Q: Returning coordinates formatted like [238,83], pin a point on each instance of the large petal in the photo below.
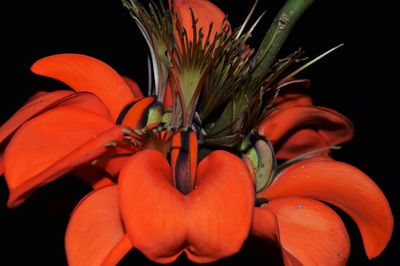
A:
[86,101]
[95,232]
[38,103]
[152,209]
[85,73]
[344,186]
[282,125]
[204,11]
[52,144]
[300,142]
[209,223]
[220,207]
[309,232]
[46,101]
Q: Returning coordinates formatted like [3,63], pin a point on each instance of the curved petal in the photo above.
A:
[332,127]
[344,186]
[95,231]
[133,113]
[207,223]
[40,94]
[293,93]
[47,101]
[136,91]
[52,144]
[43,101]
[37,104]
[300,142]
[86,101]
[85,73]
[221,207]
[206,13]
[264,225]
[310,233]
[151,207]
[114,159]
[118,252]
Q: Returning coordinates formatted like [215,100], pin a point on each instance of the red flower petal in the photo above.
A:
[95,232]
[136,91]
[309,232]
[86,101]
[293,93]
[52,144]
[47,101]
[209,223]
[132,113]
[265,225]
[38,103]
[220,207]
[300,142]
[280,127]
[35,105]
[114,164]
[206,13]
[344,186]
[151,207]
[85,73]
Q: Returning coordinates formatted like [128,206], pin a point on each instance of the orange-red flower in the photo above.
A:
[312,233]
[57,131]
[296,126]
[193,167]
[147,212]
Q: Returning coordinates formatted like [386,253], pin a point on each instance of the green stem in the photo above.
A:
[278,32]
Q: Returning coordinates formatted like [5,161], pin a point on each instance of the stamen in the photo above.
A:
[110,156]
[294,73]
[111,144]
[247,19]
[157,28]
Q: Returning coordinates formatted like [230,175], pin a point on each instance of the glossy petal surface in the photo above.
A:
[37,104]
[136,91]
[309,232]
[344,186]
[282,125]
[300,142]
[95,230]
[132,114]
[207,224]
[52,144]
[85,73]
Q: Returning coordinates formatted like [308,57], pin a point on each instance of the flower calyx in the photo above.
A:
[259,156]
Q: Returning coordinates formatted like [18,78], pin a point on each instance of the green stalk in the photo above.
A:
[278,32]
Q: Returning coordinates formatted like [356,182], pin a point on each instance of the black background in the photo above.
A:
[359,80]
